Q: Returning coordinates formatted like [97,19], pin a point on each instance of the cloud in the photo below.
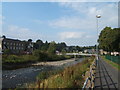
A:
[20,33]
[72,23]
[83,18]
[65,22]
[69,35]
[86,16]
[77,38]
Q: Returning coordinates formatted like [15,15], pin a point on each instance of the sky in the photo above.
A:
[71,22]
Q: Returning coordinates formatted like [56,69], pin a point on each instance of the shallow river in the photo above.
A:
[18,77]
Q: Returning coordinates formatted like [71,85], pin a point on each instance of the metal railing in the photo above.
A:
[90,78]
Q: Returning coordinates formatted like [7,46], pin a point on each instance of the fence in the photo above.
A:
[89,82]
[115,59]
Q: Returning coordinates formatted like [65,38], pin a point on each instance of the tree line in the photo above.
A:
[109,39]
[62,47]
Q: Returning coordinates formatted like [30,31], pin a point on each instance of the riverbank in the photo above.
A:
[18,77]
[55,63]
[25,65]
[70,77]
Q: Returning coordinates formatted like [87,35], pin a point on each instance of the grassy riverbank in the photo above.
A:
[70,77]
[21,61]
[115,65]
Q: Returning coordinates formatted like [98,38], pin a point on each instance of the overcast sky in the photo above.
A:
[71,22]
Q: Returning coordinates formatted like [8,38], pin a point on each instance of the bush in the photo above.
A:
[29,58]
[12,59]
[42,76]
[41,56]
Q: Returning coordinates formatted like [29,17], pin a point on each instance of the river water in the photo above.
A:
[18,77]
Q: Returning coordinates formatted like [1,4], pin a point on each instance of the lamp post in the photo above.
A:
[97,17]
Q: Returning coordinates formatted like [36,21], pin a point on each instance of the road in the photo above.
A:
[106,76]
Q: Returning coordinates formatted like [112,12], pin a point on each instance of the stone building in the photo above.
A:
[14,45]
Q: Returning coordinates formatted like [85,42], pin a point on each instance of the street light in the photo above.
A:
[97,17]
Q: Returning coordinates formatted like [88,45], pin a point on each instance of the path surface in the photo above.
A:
[106,76]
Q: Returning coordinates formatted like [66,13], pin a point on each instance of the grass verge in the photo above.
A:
[115,65]
[70,77]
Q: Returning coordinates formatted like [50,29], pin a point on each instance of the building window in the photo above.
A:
[14,48]
[10,47]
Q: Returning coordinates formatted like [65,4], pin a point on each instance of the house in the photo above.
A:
[15,46]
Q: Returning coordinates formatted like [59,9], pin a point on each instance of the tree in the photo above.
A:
[42,56]
[52,48]
[45,46]
[109,39]
[38,44]
[60,46]
[29,40]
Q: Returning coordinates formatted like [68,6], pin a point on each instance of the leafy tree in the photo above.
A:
[45,46]
[52,48]
[29,40]
[38,44]
[60,46]
[42,56]
[109,39]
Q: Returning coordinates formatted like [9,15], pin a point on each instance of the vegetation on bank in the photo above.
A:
[18,61]
[22,59]
[115,65]
[70,77]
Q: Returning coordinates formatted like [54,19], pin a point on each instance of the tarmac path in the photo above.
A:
[106,77]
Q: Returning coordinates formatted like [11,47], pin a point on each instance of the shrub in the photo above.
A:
[29,58]
[42,56]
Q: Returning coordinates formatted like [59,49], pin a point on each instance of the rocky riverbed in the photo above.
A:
[18,77]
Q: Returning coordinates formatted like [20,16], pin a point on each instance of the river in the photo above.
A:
[18,77]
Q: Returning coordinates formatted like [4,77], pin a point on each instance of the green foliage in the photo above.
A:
[42,56]
[14,59]
[7,52]
[109,39]
[42,75]
[60,46]
[52,48]
[38,44]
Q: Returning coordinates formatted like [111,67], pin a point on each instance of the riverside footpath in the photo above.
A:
[106,77]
